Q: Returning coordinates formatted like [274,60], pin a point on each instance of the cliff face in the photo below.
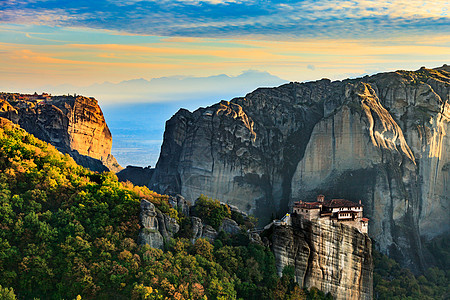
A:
[381,139]
[74,125]
[330,256]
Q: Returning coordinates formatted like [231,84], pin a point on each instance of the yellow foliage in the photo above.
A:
[125,255]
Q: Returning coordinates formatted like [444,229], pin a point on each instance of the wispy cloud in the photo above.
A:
[176,2]
[276,19]
[39,55]
[51,17]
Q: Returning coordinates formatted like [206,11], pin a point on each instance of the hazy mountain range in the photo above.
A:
[172,88]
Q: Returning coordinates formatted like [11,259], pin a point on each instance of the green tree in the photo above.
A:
[211,211]
[204,248]
[7,293]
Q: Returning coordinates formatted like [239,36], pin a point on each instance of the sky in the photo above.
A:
[48,43]
[188,53]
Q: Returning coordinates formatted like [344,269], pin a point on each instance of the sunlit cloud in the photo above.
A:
[40,55]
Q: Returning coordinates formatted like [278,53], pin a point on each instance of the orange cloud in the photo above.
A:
[334,59]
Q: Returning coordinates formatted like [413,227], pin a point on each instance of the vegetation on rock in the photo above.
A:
[211,211]
[391,281]
[67,232]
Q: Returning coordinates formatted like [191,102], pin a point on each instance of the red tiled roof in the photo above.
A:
[309,205]
[364,220]
[340,203]
[333,203]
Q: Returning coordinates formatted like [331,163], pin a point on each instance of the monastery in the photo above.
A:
[336,210]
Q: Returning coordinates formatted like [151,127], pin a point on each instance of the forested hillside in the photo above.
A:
[67,233]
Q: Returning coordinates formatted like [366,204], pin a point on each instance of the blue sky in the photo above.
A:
[277,20]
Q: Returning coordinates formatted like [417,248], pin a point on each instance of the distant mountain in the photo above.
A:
[173,88]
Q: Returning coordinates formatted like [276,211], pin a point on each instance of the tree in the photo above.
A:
[204,248]
[7,293]
[211,211]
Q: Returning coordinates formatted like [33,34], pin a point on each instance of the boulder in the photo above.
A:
[167,226]
[180,204]
[197,228]
[209,233]
[230,226]
[255,238]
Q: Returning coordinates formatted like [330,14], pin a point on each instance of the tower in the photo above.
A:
[320,198]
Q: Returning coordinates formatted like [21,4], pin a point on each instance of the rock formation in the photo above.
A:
[380,139]
[330,256]
[149,233]
[136,175]
[74,125]
[197,228]
[230,226]
[180,204]
[156,226]
[200,230]
[209,233]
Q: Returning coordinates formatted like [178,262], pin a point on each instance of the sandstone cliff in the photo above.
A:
[330,256]
[74,125]
[381,139]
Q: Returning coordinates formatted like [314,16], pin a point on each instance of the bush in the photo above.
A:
[211,211]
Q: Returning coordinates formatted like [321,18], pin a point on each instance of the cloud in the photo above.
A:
[276,19]
[175,2]
[86,56]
